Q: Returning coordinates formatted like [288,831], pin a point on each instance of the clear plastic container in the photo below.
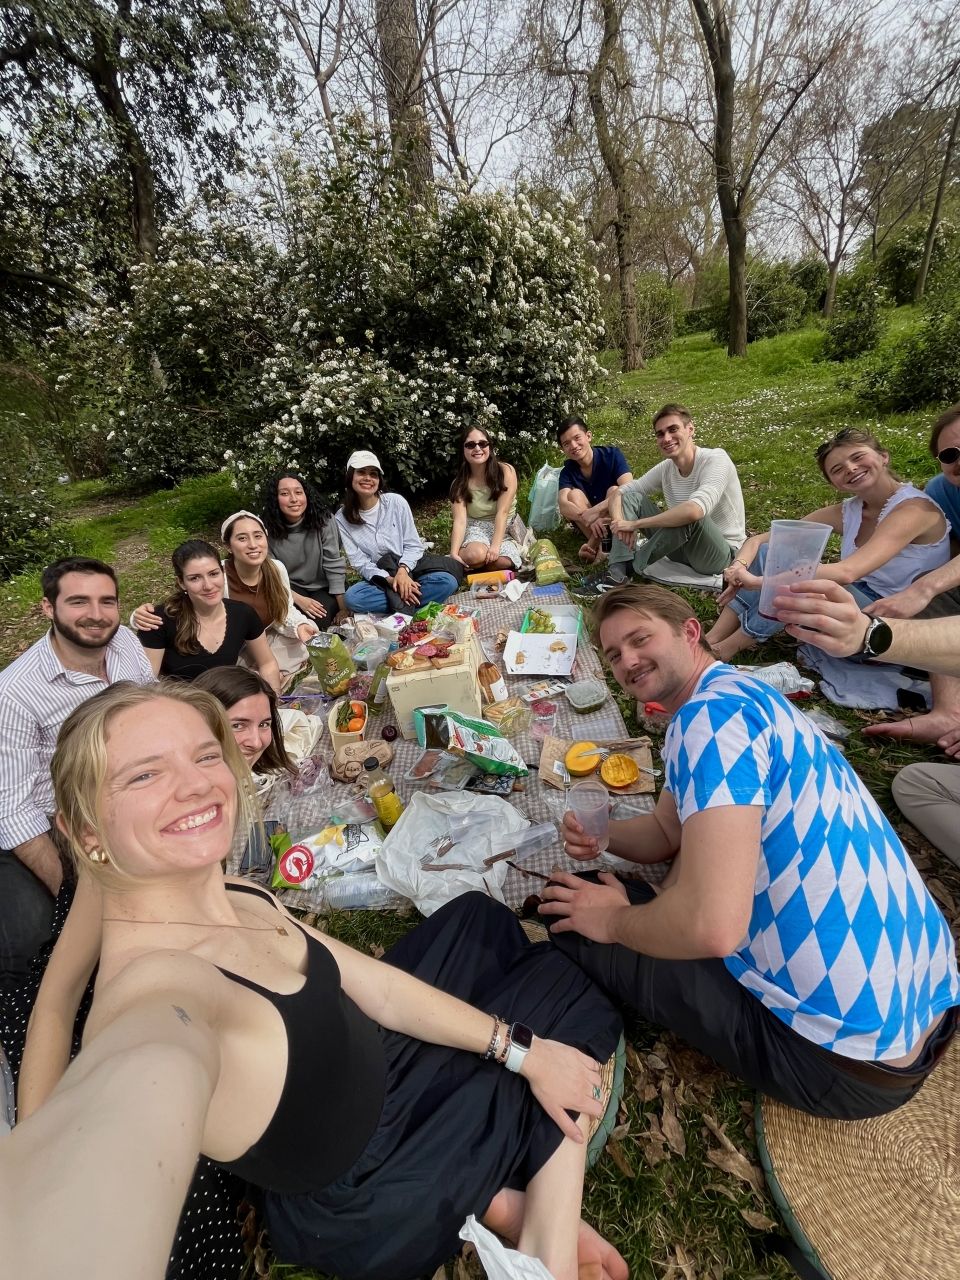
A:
[464,825]
[586,695]
[359,891]
[544,718]
[370,653]
[525,842]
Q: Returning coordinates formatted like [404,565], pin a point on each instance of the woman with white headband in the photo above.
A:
[382,543]
[252,577]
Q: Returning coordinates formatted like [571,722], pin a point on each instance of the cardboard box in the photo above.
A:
[454,685]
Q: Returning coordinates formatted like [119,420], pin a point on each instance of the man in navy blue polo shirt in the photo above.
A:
[585,478]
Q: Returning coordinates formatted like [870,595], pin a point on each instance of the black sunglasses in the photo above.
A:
[476,444]
[947,456]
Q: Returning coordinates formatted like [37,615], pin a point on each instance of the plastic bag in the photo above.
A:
[419,831]
[476,740]
[339,848]
[782,676]
[499,1262]
[331,660]
[547,563]
[544,494]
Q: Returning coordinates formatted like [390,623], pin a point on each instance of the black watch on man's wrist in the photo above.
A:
[878,638]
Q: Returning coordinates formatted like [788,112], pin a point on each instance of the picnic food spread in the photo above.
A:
[619,771]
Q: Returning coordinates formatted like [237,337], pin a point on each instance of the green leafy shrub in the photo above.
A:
[774,303]
[857,323]
[899,258]
[31,535]
[811,275]
[658,306]
[328,311]
[694,320]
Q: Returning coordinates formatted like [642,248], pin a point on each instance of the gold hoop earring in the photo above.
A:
[98,856]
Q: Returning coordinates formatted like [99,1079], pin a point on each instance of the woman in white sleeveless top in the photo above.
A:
[891,533]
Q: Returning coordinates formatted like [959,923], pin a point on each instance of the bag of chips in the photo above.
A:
[331,660]
[475,740]
[547,563]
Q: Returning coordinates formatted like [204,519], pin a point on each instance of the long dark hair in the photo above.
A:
[178,604]
[351,503]
[492,471]
[230,685]
[315,517]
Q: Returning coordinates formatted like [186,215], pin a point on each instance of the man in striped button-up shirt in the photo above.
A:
[85,650]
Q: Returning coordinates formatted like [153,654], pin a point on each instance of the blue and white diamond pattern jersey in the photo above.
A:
[845,943]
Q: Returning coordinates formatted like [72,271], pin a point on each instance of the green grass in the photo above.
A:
[669,1213]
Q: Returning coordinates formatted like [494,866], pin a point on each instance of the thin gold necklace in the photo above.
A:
[196,924]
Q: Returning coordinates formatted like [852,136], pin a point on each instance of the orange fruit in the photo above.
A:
[619,771]
[355,725]
[582,759]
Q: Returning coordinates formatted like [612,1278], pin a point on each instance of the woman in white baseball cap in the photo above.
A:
[382,543]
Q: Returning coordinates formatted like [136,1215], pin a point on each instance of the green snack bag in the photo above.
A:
[547,564]
[331,660]
[478,741]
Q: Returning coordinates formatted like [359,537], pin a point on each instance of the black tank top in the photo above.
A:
[332,1095]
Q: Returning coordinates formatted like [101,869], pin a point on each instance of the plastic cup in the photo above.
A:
[589,802]
[793,555]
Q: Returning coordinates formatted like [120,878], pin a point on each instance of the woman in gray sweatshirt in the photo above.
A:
[303,537]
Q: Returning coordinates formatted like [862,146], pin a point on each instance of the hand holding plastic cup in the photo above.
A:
[793,555]
[590,804]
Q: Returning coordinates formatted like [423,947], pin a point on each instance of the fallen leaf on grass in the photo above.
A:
[718,1131]
[942,893]
[737,1164]
[672,1129]
[377,951]
[759,1221]
[685,1263]
[618,1156]
[656,1062]
[723,1189]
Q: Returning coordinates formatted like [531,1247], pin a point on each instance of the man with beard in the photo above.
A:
[85,650]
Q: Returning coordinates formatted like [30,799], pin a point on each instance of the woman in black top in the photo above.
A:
[200,629]
[304,538]
[374,1110]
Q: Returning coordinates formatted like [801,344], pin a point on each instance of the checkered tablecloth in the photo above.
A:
[537,802]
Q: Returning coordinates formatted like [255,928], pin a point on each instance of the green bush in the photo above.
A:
[857,323]
[924,367]
[694,320]
[376,321]
[658,305]
[31,535]
[811,275]
[774,303]
[899,257]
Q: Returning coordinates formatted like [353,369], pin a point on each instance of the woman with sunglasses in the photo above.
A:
[345,1088]
[382,544]
[484,500]
[890,534]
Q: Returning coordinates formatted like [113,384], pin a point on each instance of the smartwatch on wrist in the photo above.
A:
[877,640]
[519,1042]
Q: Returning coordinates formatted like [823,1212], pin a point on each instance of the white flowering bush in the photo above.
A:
[32,536]
[326,312]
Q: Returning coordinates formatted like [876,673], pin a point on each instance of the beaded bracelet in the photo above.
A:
[496,1040]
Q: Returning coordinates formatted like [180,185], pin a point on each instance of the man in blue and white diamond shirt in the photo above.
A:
[85,650]
[792,939]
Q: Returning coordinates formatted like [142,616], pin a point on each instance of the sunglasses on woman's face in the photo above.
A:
[476,444]
[948,456]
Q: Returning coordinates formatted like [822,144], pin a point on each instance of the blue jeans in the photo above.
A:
[365,597]
[746,604]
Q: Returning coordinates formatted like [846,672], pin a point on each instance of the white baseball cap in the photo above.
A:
[363,458]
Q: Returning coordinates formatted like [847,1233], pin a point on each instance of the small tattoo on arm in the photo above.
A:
[181,1014]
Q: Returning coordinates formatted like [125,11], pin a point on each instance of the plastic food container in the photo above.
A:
[586,695]
[544,718]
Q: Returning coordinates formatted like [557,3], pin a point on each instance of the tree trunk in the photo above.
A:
[935,213]
[143,194]
[631,355]
[716,34]
[830,299]
[401,60]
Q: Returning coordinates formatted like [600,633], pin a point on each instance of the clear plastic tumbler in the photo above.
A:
[589,803]
[793,555]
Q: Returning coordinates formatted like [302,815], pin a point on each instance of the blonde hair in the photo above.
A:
[648,601]
[79,766]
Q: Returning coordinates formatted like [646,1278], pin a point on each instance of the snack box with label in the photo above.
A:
[453,684]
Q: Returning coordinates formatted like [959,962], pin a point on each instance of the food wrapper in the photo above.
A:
[547,564]
[476,740]
[511,716]
[331,660]
[340,847]
[500,1262]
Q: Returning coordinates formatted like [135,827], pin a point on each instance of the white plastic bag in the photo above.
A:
[544,494]
[423,823]
[499,1262]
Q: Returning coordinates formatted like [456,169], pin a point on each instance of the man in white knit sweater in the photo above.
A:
[703,523]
